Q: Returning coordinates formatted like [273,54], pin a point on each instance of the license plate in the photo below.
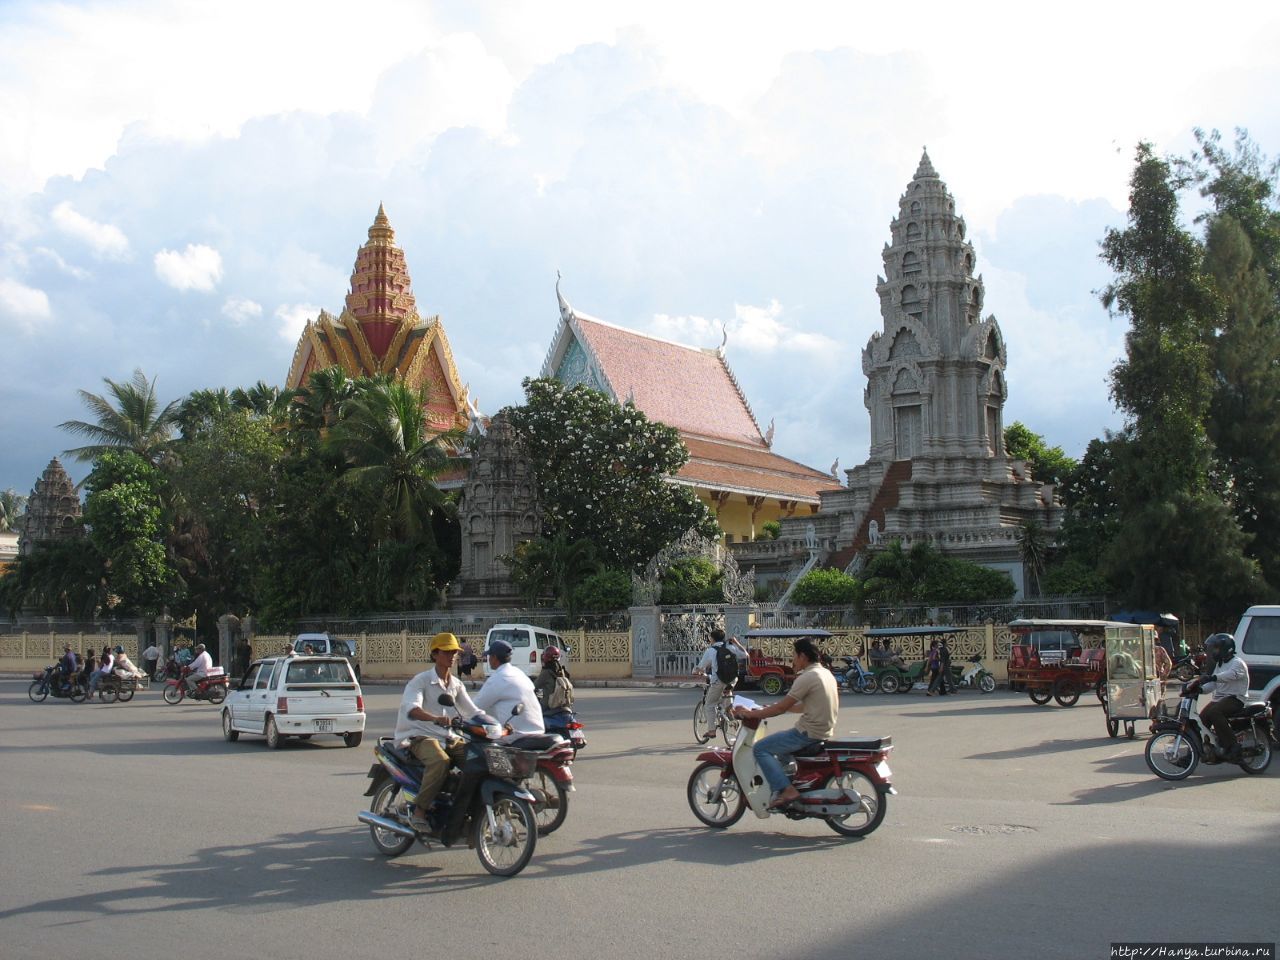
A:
[882,768]
[324,726]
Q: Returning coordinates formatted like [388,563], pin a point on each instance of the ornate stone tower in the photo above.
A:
[498,511]
[53,510]
[935,374]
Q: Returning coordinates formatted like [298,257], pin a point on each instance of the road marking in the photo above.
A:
[39,807]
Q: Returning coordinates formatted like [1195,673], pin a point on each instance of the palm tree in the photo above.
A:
[555,566]
[12,505]
[382,436]
[1033,544]
[264,401]
[200,408]
[322,401]
[135,421]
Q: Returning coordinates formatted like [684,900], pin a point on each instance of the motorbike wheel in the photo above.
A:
[865,821]
[1260,762]
[126,692]
[551,812]
[217,694]
[78,693]
[1066,692]
[700,734]
[869,685]
[384,805]
[1167,760]
[889,683]
[38,691]
[771,685]
[353,739]
[1040,696]
[173,693]
[229,733]
[274,740]
[987,683]
[1113,728]
[1185,672]
[716,800]
[505,847]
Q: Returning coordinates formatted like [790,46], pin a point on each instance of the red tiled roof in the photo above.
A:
[751,470]
[683,387]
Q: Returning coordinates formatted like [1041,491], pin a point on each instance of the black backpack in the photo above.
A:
[726,664]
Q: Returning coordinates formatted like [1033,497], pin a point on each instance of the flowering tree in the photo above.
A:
[603,473]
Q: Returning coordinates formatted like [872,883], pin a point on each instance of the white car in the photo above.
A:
[527,644]
[1258,643]
[296,696]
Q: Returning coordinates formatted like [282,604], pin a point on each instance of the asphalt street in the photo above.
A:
[134,830]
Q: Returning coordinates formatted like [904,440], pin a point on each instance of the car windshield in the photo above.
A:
[517,638]
[318,671]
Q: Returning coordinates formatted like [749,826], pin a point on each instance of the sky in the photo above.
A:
[184,183]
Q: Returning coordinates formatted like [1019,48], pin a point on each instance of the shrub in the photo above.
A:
[603,592]
[826,588]
[692,580]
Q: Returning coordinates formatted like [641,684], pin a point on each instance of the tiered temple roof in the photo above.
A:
[380,331]
[690,389]
[53,510]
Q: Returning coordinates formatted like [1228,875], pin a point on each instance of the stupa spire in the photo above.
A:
[925,170]
[381,297]
[381,231]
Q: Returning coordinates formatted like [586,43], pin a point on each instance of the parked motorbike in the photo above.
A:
[1180,743]
[212,688]
[551,781]
[1188,667]
[50,681]
[499,821]
[851,675]
[566,723]
[845,783]
[975,675]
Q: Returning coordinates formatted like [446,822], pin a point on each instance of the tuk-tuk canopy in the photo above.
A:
[765,633]
[913,631]
[1083,626]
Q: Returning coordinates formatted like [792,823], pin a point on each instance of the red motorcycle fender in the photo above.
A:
[722,757]
[560,773]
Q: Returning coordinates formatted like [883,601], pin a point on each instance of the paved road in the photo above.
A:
[1021,831]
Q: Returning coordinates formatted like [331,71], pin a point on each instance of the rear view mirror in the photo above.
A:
[446,700]
[517,709]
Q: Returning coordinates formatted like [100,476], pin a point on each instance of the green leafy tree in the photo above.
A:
[827,588]
[692,580]
[603,473]
[924,575]
[12,506]
[554,567]
[604,592]
[64,578]
[123,513]
[770,530]
[128,417]
[1033,547]
[1048,464]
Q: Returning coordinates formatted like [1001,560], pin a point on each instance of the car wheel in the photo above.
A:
[352,739]
[229,733]
[274,740]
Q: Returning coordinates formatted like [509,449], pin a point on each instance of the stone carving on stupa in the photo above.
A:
[497,512]
[937,470]
[53,511]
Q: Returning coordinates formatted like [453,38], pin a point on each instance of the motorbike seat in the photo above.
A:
[401,754]
[860,743]
[536,741]
[1252,709]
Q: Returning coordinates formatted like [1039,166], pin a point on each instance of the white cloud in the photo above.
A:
[196,268]
[56,259]
[240,310]
[106,240]
[753,329]
[22,304]
[293,317]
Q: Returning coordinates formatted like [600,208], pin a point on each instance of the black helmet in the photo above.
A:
[1220,647]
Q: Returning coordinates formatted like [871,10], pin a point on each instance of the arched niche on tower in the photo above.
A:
[880,345]
[906,403]
[913,231]
[911,263]
[992,397]
[904,346]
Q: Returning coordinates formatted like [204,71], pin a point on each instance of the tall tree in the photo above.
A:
[12,505]
[1048,464]
[128,417]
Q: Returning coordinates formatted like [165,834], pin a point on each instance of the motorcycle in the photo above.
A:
[212,688]
[846,783]
[499,819]
[1188,667]
[552,780]
[854,678]
[975,675]
[51,681]
[1180,743]
[566,723]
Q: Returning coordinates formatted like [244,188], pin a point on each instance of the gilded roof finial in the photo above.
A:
[381,229]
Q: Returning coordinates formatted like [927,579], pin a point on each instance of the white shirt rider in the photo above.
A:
[707,665]
[506,686]
[202,664]
[1231,679]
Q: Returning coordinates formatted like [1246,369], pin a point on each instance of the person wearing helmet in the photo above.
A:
[1228,675]
[553,668]
[506,686]
[123,666]
[422,723]
[198,669]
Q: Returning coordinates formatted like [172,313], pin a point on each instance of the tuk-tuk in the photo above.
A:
[773,674]
[1134,687]
[1058,659]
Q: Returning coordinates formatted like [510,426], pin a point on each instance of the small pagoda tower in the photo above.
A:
[53,511]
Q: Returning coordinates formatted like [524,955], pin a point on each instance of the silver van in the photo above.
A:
[527,645]
[1258,643]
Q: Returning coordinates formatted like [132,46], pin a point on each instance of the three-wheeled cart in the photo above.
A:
[1058,659]
[1134,687]
[773,674]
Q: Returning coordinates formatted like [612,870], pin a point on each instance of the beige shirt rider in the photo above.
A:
[815,690]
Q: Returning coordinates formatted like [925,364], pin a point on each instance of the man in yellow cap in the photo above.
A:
[423,725]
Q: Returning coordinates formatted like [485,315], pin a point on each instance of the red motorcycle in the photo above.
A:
[552,780]
[846,783]
[212,688]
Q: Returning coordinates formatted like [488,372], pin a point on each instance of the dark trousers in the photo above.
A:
[1217,716]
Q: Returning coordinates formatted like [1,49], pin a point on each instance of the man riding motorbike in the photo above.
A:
[427,734]
[1229,677]
[815,697]
[506,686]
[198,669]
[66,666]
[709,666]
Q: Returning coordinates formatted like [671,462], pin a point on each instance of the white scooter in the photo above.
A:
[1179,744]
[845,783]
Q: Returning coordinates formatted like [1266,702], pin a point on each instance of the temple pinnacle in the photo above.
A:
[925,171]
[381,229]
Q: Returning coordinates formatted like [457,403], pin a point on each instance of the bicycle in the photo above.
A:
[725,721]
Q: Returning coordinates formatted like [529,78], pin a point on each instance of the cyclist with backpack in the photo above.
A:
[719,664]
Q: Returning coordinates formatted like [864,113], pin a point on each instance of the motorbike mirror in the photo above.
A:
[517,709]
[445,700]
